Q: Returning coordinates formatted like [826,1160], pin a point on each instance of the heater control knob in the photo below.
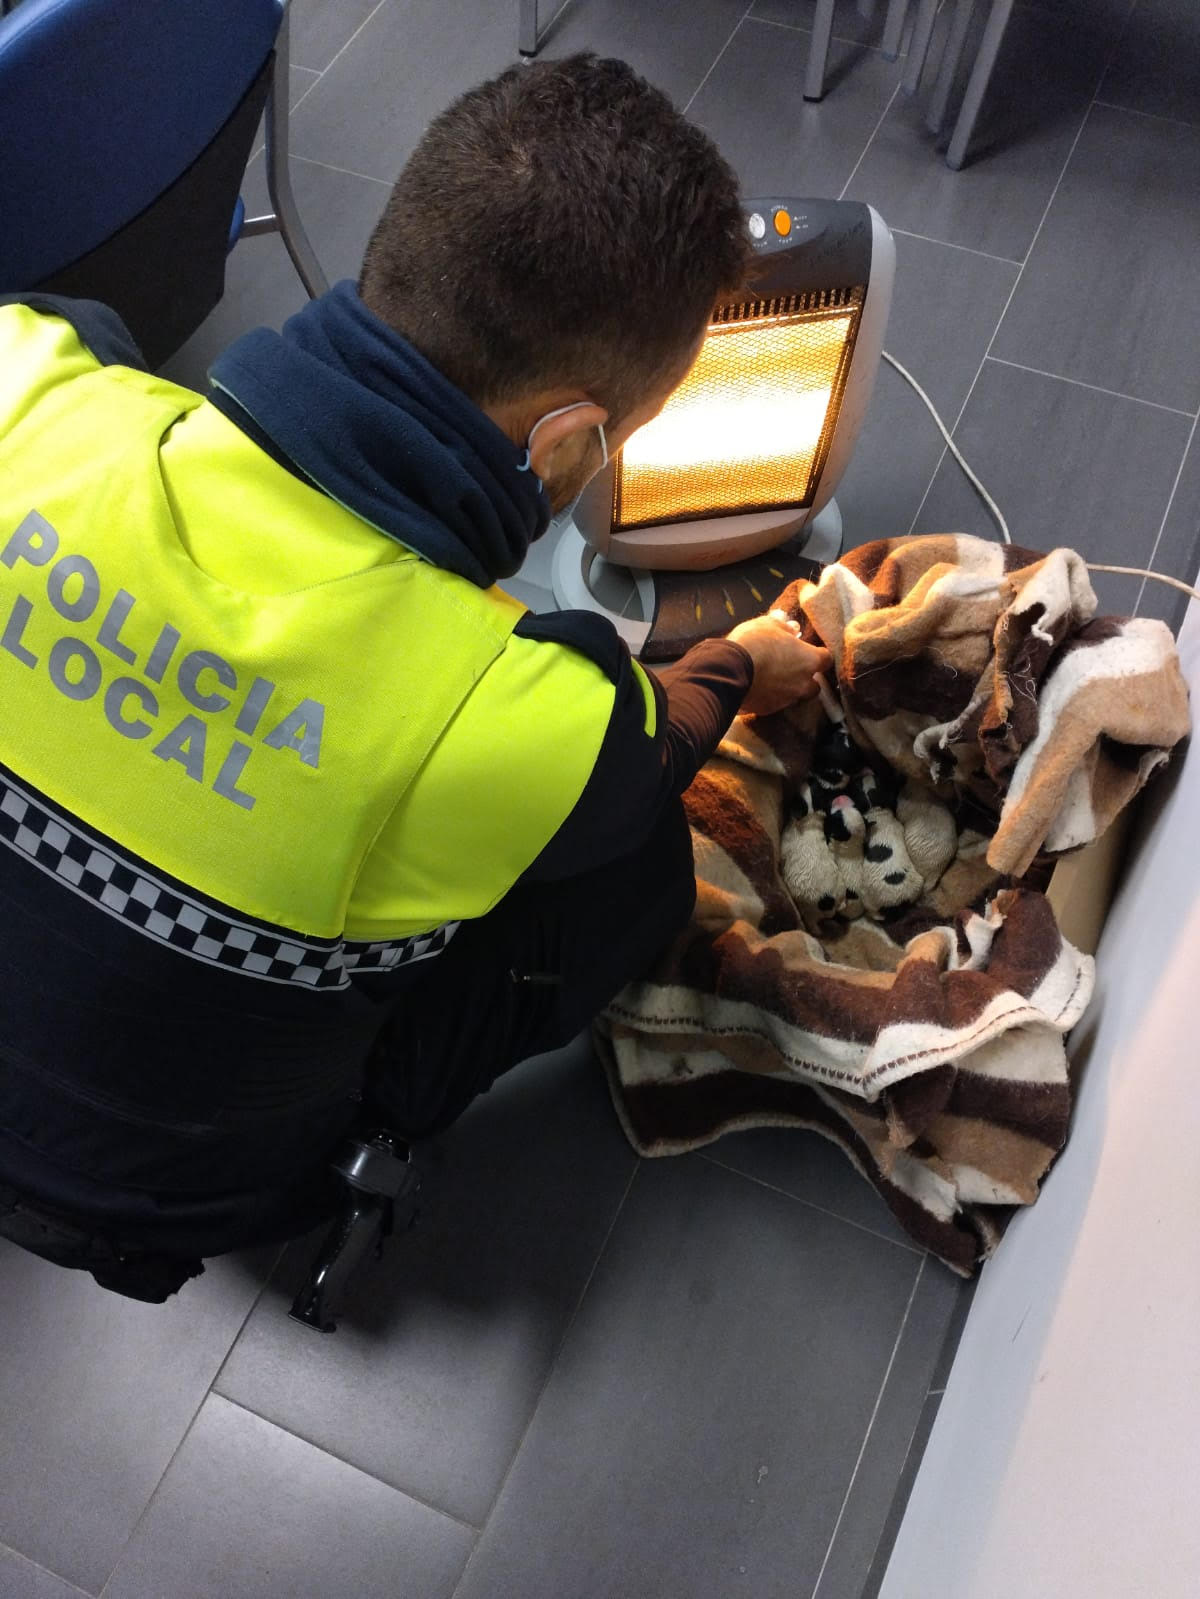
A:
[756,225]
[783,223]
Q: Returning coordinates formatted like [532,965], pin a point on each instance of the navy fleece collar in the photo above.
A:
[360,413]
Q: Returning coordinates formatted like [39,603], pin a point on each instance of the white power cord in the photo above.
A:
[997,513]
[1141,571]
[983,494]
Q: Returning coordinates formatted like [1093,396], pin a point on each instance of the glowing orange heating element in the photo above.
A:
[749,427]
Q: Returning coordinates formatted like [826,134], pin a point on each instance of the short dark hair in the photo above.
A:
[561,223]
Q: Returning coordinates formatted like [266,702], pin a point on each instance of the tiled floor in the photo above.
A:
[587,1377]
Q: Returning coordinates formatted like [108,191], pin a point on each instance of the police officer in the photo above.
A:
[298,810]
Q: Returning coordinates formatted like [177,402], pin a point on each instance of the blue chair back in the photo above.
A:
[103,105]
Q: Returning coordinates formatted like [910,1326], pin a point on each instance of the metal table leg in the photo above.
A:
[948,70]
[981,73]
[893,28]
[918,45]
[527,27]
[818,51]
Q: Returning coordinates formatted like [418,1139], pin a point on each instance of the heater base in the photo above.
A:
[660,615]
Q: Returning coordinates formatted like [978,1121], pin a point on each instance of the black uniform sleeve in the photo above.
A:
[98,326]
[638,772]
[704,692]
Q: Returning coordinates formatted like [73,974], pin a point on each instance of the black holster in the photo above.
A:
[380,1197]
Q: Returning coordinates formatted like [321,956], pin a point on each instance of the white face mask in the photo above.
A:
[562,411]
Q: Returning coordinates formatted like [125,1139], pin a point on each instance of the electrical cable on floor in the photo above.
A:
[983,494]
[998,514]
[1141,571]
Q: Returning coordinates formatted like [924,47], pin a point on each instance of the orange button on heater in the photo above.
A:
[783,224]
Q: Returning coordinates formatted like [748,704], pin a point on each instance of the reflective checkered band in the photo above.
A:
[385,957]
[167,914]
[156,909]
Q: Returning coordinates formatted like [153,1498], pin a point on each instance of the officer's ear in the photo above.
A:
[547,455]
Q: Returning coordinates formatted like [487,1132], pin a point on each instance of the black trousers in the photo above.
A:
[528,977]
[523,979]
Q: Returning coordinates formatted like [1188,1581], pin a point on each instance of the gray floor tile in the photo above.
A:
[249,1512]
[944,310]
[21,1579]
[1178,552]
[891,1526]
[705,1414]
[261,286]
[1112,13]
[435,1371]
[1067,465]
[1156,68]
[672,42]
[96,1391]
[778,143]
[320,28]
[899,1414]
[1106,296]
[848,20]
[849,23]
[1046,75]
[964,1297]
[809,1168]
[405,66]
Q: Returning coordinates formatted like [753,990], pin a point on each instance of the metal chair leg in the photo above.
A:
[951,59]
[893,28]
[918,45]
[818,51]
[527,28]
[981,72]
[279,182]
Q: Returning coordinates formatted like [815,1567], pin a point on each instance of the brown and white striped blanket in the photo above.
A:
[929,1047]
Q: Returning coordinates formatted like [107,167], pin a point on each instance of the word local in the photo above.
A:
[75,670]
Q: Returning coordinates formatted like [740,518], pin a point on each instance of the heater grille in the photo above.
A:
[750,426]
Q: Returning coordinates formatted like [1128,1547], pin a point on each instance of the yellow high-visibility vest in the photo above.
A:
[211,662]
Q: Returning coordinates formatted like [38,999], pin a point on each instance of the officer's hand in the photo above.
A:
[784,668]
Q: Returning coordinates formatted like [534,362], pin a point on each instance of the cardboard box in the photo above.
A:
[1082,886]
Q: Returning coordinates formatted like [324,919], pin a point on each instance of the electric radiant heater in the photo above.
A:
[747,452]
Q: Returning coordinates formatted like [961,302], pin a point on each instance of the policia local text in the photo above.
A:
[205,679]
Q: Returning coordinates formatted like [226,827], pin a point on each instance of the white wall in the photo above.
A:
[1065,1460]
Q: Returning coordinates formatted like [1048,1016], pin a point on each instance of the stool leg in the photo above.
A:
[948,70]
[527,27]
[981,72]
[279,179]
[818,51]
[918,45]
[893,28]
